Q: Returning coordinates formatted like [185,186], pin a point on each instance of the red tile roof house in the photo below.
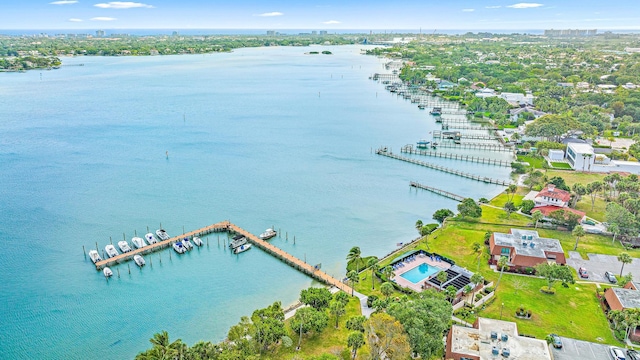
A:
[525,249]
[627,297]
[552,196]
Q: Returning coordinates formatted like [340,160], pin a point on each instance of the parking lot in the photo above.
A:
[598,264]
[573,349]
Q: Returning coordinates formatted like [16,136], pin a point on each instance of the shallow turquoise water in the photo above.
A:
[419,273]
[262,137]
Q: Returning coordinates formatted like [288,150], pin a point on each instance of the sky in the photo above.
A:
[332,15]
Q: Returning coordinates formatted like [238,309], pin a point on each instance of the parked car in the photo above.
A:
[617,353]
[633,355]
[556,341]
[609,276]
[583,273]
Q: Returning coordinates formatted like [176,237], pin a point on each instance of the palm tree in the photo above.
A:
[337,309]
[578,232]
[477,249]
[512,189]
[353,277]
[354,256]
[624,258]
[614,229]
[386,289]
[442,278]
[419,226]
[355,342]
[536,216]
[502,263]
[163,349]
[387,271]
[373,264]
[475,279]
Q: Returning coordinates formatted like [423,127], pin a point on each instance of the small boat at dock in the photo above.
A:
[111,250]
[138,242]
[242,248]
[197,241]
[95,257]
[150,238]
[437,111]
[139,260]
[162,235]
[423,143]
[107,272]
[124,246]
[237,241]
[179,248]
[187,244]
[268,234]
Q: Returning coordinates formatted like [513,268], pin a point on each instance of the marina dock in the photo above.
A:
[384,152]
[444,193]
[477,146]
[409,149]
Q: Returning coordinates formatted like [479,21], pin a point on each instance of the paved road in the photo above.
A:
[598,264]
[580,350]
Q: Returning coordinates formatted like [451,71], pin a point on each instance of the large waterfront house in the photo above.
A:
[525,249]
[626,297]
[553,196]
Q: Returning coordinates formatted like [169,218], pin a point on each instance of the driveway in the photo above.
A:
[598,264]
[573,349]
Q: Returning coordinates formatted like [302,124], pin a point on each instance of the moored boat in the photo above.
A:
[138,242]
[150,238]
[178,247]
[95,257]
[268,234]
[242,248]
[162,235]
[139,260]
[187,244]
[107,272]
[111,250]
[124,246]
[237,240]
[197,241]
[423,143]
[436,111]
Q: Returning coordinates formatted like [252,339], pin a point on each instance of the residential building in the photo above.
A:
[551,195]
[556,155]
[486,92]
[518,98]
[524,249]
[580,156]
[100,33]
[515,113]
[493,339]
[627,297]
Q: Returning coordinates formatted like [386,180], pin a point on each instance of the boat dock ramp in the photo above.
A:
[409,149]
[444,193]
[385,152]
[228,227]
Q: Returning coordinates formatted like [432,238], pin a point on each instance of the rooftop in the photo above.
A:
[548,209]
[480,342]
[629,298]
[582,148]
[527,243]
[552,192]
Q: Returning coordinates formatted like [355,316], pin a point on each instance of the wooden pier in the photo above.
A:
[292,260]
[447,194]
[218,227]
[449,126]
[476,146]
[383,151]
[409,149]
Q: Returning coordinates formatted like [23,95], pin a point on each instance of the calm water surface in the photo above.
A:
[261,137]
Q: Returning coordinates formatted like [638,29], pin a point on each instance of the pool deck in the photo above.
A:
[412,265]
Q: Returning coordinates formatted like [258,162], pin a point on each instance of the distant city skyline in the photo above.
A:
[330,15]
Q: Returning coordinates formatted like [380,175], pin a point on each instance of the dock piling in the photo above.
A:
[97,246]
[151,261]
[129,266]
[84,252]
[118,273]
[110,241]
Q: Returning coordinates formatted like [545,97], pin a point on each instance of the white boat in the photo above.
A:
[150,238]
[95,257]
[237,240]
[162,235]
[187,244]
[179,248]
[111,250]
[268,234]
[197,241]
[107,272]
[124,246]
[242,248]
[138,242]
[139,260]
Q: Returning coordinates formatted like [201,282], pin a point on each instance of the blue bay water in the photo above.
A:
[262,137]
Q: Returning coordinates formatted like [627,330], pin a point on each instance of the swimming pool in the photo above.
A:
[419,273]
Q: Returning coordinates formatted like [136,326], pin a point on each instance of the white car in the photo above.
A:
[617,354]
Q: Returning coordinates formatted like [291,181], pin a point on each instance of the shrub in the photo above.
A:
[488,289]
[546,290]
[478,296]
[370,300]
[483,200]
[529,271]
[527,206]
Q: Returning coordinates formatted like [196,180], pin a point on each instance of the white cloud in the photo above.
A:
[103,18]
[74,20]
[270,14]
[524,5]
[493,7]
[63,2]
[331,22]
[468,10]
[122,5]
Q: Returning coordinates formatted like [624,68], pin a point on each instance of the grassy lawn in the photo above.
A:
[599,207]
[572,177]
[535,162]
[561,165]
[502,199]
[572,312]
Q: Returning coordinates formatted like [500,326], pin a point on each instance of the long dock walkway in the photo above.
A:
[409,149]
[444,193]
[477,146]
[292,260]
[384,152]
[217,227]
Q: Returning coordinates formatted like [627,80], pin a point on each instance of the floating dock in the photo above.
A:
[447,194]
[384,152]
